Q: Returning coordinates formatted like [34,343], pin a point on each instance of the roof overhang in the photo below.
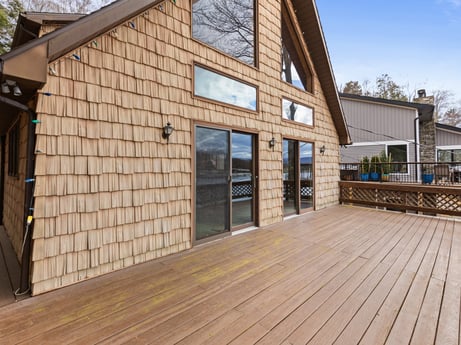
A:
[425,111]
[27,63]
[16,64]
[309,22]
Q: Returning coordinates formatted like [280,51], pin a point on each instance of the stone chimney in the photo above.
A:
[426,130]
[423,99]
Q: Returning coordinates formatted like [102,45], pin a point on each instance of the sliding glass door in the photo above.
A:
[224,181]
[243,179]
[298,186]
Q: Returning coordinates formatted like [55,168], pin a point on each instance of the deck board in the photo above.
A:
[343,275]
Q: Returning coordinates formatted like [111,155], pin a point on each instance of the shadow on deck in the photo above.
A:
[341,275]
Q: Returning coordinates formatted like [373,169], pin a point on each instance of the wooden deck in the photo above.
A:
[343,275]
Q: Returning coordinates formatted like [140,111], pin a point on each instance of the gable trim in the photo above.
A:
[62,41]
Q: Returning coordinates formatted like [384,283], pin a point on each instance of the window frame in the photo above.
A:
[404,166]
[225,75]
[300,104]
[288,19]
[255,63]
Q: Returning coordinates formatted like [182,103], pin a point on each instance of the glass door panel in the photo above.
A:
[306,175]
[290,190]
[212,175]
[242,179]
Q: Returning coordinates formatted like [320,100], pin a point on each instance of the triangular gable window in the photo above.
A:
[295,68]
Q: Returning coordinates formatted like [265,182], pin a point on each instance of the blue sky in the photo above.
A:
[418,43]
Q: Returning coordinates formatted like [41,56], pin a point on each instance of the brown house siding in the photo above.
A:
[110,192]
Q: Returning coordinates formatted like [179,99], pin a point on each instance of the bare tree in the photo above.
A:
[442,102]
[226,25]
[73,6]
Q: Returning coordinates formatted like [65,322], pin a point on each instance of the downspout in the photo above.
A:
[417,146]
[24,284]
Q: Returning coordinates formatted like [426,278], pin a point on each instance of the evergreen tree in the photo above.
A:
[9,13]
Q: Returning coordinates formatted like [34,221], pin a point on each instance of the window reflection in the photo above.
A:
[226,25]
[297,112]
[295,69]
[220,88]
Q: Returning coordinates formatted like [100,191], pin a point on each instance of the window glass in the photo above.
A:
[449,156]
[297,112]
[220,88]
[398,153]
[294,66]
[226,25]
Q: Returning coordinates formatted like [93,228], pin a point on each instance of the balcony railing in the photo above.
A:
[431,188]
[403,172]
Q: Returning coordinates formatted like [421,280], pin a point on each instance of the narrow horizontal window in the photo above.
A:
[296,112]
[224,89]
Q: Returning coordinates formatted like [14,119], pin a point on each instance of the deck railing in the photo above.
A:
[429,199]
[403,172]
[431,188]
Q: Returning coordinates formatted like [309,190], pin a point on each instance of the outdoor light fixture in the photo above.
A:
[5,88]
[17,91]
[272,143]
[322,150]
[167,130]
[8,84]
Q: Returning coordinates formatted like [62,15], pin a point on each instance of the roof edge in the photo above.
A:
[316,43]
[63,40]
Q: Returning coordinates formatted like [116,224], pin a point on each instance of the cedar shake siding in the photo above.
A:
[110,192]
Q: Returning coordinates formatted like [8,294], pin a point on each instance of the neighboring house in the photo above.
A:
[403,130]
[85,131]
[448,143]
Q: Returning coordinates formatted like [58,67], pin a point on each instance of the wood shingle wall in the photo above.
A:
[110,192]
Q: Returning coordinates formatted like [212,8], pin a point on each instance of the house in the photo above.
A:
[448,143]
[143,129]
[405,131]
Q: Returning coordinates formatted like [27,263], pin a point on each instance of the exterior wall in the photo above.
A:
[447,138]
[13,203]
[394,121]
[110,192]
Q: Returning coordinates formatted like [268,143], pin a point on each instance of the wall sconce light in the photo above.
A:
[272,143]
[322,150]
[8,84]
[5,88]
[17,91]
[167,130]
